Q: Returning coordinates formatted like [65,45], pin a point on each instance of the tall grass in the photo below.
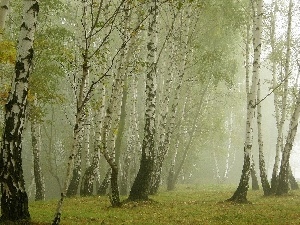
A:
[187,205]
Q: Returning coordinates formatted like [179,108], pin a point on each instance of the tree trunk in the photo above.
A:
[262,168]
[125,172]
[283,179]
[102,190]
[90,173]
[14,200]
[240,195]
[279,146]
[292,180]
[115,195]
[141,184]
[36,148]
[140,187]
[254,179]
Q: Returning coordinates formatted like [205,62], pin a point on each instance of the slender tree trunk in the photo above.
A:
[283,179]
[179,69]
[132,142]
[91,171]
[102,190]
[254,179]
[14,200]
[292,180]
[172,179]
[240,195]
[175,173]
[262,168]
[228,166]
[36,149]
[279,145]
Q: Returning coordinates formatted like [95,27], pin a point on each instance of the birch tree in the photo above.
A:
[141,185]
[36,149]
[14,200]
[262,168]
[283,179]
[240,195]
[281,101]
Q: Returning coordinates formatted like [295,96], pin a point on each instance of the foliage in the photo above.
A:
[7,52]
[188,205]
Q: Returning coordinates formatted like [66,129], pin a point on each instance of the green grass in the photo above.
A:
[187,205]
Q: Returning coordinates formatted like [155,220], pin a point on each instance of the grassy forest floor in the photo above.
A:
[186,205]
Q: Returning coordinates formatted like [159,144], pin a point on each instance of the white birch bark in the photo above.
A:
[262,167]
[283,180]
[281,118]
[140,187]
[14,201]
[284,168]
[240,194]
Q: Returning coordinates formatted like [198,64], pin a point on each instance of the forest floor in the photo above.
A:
[186,205]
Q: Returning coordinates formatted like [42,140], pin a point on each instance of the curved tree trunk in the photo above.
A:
[283,179]
[14,200]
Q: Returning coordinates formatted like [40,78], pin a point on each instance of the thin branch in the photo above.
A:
[274,89]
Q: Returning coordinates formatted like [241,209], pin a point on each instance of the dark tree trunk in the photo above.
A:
[293,181]
[88,179]
[115,197]
[102,190]
[14,199]
[264,181]
[170,179]
[274,183]
[14,206]
[37,170]
[240,195]
[140,187]
[254,179]
[156,178]
[87,182]
[39,181]
[57,217]
[74,183]
[283,184]
[125,176]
